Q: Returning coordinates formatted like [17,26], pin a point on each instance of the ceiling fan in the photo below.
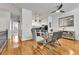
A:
[58,9]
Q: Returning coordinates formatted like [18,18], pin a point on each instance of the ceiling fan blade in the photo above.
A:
[60,7]
[62,11]
[53,11]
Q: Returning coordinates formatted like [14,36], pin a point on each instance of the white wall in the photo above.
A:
[76,22]
[5,21]
[10,8]
[26,24]
[5,16]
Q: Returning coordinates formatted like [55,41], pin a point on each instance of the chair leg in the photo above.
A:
[53,45]
[58,43]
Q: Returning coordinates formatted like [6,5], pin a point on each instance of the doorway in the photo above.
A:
[15,34]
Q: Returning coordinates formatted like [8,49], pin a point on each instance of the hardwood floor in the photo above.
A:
[68,47]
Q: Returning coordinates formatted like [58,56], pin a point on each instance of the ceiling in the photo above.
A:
[45,8]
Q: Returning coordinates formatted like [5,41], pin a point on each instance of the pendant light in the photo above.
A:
[39,18]
[35,18]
